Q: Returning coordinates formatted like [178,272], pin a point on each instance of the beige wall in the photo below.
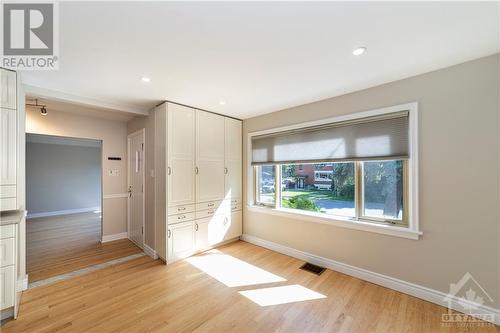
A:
[459,157]
[135,125]
[114,143]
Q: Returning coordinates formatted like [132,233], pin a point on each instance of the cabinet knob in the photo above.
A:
[169,171]
[196,226]
[169,233]
[225,171]
[196,170]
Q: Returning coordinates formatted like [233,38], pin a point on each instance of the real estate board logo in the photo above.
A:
[470,298]
[30,36]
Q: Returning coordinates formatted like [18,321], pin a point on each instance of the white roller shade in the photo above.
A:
[380,137]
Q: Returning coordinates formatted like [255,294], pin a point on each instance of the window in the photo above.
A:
[329,189]
[266,185]
[376,195]
[359,168]
[383,190]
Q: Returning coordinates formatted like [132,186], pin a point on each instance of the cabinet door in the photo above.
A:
[181,155]
[232,158]
[180,241]
[235,227]
[8,89]
[201,233]
[8,146]
[7,287]
[209,156]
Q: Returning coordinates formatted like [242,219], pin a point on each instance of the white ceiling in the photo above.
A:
[258,57]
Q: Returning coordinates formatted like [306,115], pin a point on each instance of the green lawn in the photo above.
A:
[311,194]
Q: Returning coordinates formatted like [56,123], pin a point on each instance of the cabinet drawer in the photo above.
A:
[207,205]
[172,219]
[235,201]
[7,204]
[180,209]
[7,287]
[8,191]
[7,231]
[7,247]
[208,213]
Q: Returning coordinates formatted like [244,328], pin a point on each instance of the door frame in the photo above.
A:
[129,136]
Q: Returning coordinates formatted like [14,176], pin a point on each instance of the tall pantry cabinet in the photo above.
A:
[8,143]
[202,167]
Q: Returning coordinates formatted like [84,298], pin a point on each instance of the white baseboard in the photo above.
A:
[150,252]
[428,294]
[22,283]
[110,238]
[63,212]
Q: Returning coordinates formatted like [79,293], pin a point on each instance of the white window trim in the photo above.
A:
[412,231]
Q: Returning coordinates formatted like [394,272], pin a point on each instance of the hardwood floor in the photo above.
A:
[193,295]
[61,244]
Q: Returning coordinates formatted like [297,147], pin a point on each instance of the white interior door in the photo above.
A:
[136,187]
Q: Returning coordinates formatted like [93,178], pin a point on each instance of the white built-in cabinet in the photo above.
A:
[180,155]
[203,180]
[209,157]
[8,140]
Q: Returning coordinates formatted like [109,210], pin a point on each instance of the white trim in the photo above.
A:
[150,252]
[110,238]
[56,95]
[115,196]
[338,221]
[413,221]
[64,212]
[22,283]
[428,294]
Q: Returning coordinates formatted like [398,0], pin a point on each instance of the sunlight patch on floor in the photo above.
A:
[281,295]
[231,271]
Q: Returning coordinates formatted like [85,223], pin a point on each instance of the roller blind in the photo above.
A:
[380,137]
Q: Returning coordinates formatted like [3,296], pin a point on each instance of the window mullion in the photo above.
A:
[277,186]
[358,189]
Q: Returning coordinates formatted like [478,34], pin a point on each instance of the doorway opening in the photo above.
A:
[64,203]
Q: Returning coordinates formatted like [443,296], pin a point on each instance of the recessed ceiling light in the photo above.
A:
[359,51]
[222,102]
[145,79]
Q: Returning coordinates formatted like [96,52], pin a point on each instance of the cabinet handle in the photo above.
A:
[169,233]
[225,171]
[180,209]
[210,212]
[196,170]
[225,220]
[196,225]
[169,171]
[210,204]
[181,217]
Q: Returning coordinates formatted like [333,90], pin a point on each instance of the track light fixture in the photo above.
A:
[43,108]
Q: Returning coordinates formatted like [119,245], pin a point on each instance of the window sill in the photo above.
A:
[338,221]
